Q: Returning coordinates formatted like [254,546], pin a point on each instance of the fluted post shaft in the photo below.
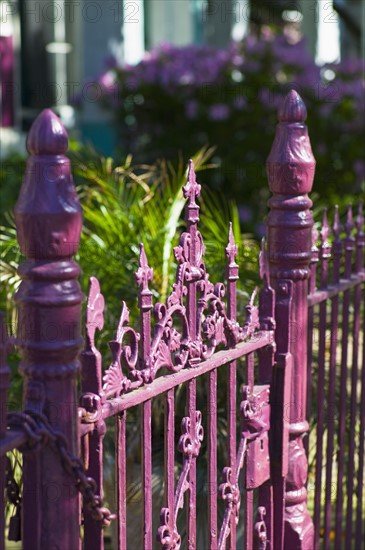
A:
[48,220]
[290,169]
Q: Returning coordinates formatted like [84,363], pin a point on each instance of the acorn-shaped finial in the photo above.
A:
[47,135]
[292,108]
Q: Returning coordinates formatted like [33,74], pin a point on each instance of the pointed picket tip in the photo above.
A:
[231,248]
[192,188]
[292,108]
[143,262]
[191,172]
[144,272]
[325,229]
[336,224]
[360,216]
[315,235]
[349,225]
[264,262]
[47,135]
[231,240]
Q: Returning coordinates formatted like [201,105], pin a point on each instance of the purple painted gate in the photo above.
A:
[260,497]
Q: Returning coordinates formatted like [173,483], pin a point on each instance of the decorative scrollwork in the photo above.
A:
[182,335]
[115,381]
[167,534]
[229,492]
[189,445]
[94,312]
[260,531]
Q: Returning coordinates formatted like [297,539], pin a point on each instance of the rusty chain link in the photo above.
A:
[40,432]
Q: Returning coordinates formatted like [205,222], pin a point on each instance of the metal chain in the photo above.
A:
[40,432]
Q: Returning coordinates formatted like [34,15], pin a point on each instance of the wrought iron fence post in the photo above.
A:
[290,169]
[48,219]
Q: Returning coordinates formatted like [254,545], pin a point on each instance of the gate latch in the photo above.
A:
[255,414]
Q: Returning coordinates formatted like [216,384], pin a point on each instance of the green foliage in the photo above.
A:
[12,169]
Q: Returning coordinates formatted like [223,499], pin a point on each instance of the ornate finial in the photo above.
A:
[264,263]
[325,229]
[291,165]
[144,272]
[336,224]
[94,310]
[349,225]
[360,218]
[47,135]
[293,108]
[48,214]
[192,189]
[231,248]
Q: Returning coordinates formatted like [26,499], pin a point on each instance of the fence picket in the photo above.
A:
[336,251]
[360,258]
[4,386]
[324,256]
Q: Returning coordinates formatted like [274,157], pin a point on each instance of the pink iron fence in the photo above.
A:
[336,324]
[183,348]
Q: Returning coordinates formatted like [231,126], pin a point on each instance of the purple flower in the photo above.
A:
[219,111]
[108,81]
[359,169]
[191,109]
[240,102]
[245,213]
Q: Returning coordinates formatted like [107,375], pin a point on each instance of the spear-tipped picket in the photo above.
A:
[191,191]
[349,225]
[325,229]
[91,400]
[264,263]
[337,246]
[359,238]
[336,225]
[360,218]
[231,273]
[231,249]
[325,249]
[144,274]
[4,386]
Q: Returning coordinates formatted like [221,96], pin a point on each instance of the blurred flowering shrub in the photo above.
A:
[180,98]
